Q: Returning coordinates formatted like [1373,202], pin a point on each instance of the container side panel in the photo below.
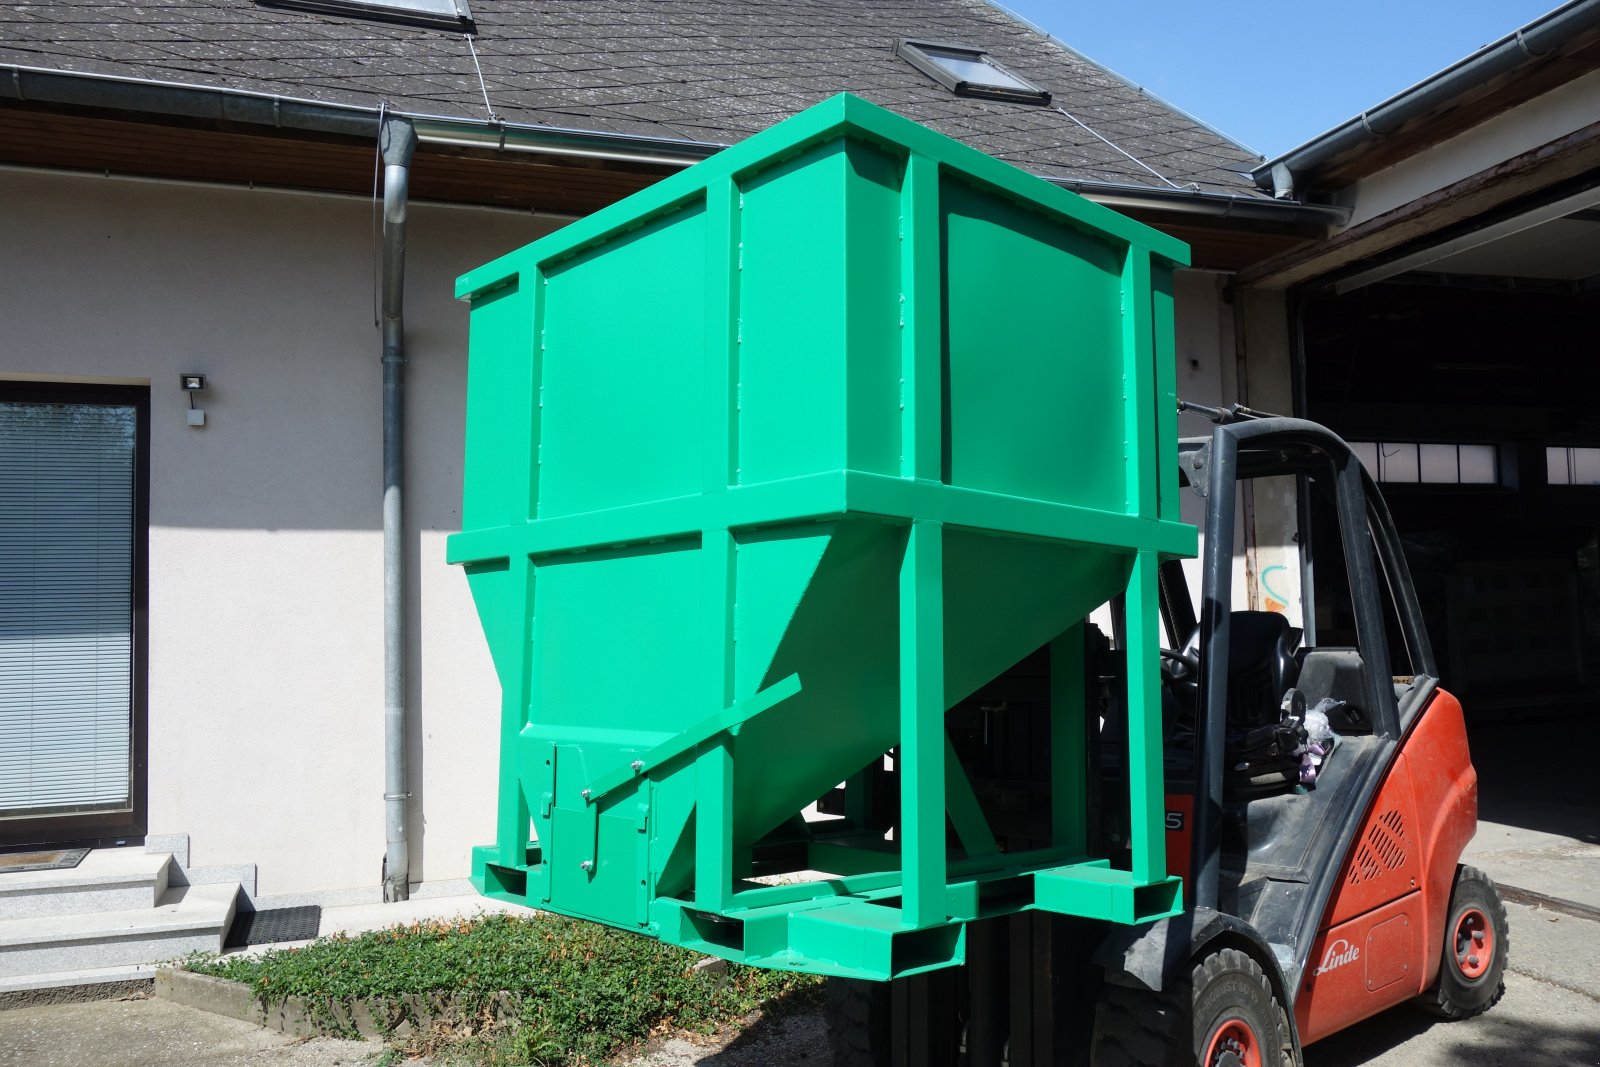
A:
[490,583]
[775,564]
[873,310]
[622,392]
[791,352]
[616,643]
[501,371]
[842,642]
[1034,376]
[1006,596]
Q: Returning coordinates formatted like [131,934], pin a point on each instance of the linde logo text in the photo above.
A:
[1339,953]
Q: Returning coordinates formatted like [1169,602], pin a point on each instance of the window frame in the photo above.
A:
[394,14]
[121,825]
[915,52]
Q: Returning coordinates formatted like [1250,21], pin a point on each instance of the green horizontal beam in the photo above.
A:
[819,497]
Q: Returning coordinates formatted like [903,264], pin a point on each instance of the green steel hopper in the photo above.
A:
[767,467]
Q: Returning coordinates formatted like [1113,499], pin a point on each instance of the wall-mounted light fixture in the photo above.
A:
[192,384]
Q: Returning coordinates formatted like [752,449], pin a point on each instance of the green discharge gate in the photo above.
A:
[769,465]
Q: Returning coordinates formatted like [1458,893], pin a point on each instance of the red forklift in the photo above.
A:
[1309,906]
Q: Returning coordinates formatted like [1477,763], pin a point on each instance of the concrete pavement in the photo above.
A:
[154,1033]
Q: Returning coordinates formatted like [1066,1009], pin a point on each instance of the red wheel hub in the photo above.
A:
[1233,1044]
[1474,941]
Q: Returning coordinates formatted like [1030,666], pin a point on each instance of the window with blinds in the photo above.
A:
[67,541]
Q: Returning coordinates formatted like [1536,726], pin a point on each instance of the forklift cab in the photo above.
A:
[1237,666]
[1362,865]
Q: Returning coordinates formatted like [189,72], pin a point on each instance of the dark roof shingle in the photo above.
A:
[703,70]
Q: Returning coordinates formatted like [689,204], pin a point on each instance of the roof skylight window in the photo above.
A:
[969,72]
[451,15]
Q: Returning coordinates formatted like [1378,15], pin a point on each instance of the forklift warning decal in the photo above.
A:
[1339,953]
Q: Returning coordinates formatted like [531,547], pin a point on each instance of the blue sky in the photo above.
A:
[1276,75]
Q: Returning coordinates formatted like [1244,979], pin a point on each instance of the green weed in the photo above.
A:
[539,990]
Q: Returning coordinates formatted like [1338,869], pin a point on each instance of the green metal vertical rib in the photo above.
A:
[1146,808]
[541,285]
[922,736]
[1068,770]
[1166,357]
[714,764]
[922,430]
[722,355]
[511,835]
[1138,372]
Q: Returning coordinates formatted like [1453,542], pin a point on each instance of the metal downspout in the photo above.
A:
[397,140]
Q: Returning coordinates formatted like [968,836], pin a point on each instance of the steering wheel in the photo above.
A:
[1180,666]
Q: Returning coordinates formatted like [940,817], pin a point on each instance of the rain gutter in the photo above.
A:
[1285,175]
[1197,202]
[74,89]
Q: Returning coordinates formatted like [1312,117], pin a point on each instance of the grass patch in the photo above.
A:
[538,989]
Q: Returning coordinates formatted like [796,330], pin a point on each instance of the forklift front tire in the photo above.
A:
[1472,963]
[1225,1014]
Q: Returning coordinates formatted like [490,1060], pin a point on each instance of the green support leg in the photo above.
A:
[713,817]
[1146,799]
[922,736]
[511,831]
[713,882]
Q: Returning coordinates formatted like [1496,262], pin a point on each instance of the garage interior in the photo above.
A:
[1466,373]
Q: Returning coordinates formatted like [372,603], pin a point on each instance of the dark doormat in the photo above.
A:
[53,859]
[273,925]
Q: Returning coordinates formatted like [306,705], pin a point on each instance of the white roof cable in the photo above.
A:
[481,83]
[1124,151]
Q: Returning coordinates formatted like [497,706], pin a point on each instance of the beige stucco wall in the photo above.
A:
[265,689]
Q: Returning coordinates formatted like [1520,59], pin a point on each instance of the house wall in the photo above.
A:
[265,689]
[265,686]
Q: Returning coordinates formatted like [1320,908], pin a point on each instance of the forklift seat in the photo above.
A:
[1261,667]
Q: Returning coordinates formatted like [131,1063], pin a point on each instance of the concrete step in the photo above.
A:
[13,989]
[108,879]
[188,919]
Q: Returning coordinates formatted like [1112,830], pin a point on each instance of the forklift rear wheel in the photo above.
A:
[1473,961]
[1234,1020]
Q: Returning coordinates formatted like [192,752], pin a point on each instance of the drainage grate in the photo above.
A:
[274,925]
[55,859]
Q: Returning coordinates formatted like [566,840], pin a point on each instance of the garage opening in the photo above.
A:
[1472,390]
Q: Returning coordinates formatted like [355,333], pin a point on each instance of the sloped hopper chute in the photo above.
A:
[769,465]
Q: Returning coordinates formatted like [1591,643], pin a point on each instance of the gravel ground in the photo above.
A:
[796,1040]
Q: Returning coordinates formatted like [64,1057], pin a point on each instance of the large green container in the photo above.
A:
[769,465]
